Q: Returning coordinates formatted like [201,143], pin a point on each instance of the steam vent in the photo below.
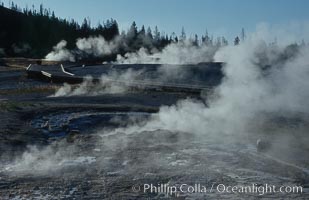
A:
[156,100]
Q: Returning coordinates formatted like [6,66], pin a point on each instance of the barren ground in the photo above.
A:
[74,162]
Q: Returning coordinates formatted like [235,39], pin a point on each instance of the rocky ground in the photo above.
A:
[62,148]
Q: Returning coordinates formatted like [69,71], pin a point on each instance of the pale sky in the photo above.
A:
[219,17]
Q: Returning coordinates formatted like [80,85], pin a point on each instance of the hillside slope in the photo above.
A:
[32,33]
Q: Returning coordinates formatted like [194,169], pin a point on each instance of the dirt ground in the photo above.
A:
[75,157]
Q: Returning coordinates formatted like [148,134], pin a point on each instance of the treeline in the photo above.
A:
[32,33]
[29,32]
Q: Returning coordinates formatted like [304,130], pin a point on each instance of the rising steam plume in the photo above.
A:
[262,83]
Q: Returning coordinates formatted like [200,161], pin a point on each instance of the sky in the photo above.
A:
[219,17]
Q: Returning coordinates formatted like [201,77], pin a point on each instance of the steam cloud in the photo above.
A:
[175,53]
[111,83]
[184,52]
[261,82]
[60,53]
[98,46]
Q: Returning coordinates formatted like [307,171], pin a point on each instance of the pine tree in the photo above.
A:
[183,34]
[236,41]
[142,32]
[195,42]
[243,35]
[156,34]
[132,33]
[206,39]
[149,33]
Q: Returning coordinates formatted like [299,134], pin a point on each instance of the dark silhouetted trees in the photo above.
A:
[236,41]
[33,33]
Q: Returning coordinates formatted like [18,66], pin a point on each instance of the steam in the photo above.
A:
[60,53]
[92,46]
[183,52]
[98,46]
[111,83]
[176,53]
[21,49]
[52,158]
[262,82]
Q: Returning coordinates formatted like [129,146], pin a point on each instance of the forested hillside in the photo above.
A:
[32,33]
